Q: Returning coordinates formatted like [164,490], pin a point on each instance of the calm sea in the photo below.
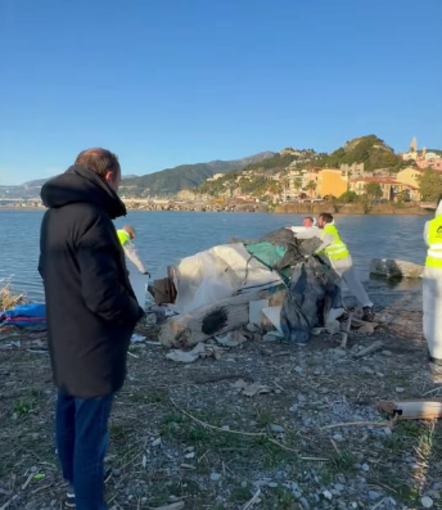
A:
[165,237]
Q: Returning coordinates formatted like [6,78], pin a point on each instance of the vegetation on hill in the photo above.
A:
[256,175]
[373,190]
[257,178]
[182,177]
[430,185]
[370,150]
[280,162]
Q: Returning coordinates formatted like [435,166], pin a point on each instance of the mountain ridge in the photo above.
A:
[166,181]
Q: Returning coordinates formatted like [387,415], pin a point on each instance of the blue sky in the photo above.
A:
[166,82]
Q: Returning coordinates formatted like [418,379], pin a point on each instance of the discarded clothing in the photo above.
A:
[25,315]
[314,290]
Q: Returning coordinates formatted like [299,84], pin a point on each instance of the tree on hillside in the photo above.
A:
[297,184]
[311,186]
[370,150]
[349,197]
[430,185]
[373,190]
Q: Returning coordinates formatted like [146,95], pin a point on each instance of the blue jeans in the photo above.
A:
[82,439]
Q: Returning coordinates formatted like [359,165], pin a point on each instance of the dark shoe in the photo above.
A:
[69,500]
[368,314]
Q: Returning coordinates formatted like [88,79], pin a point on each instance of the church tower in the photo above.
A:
[413,145]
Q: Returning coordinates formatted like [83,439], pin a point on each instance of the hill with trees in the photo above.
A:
[172,180]
[257,178]
[370,150]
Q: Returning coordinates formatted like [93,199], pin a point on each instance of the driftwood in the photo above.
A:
[417,409]
[370,349]
[188,329]
[392,268]
[255,498]
[347,331]
[358,424]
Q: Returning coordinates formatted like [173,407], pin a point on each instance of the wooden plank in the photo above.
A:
[417,409]
[188,329]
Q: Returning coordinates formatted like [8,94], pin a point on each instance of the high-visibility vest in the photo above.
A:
[337,249]
[434,240]
[123,236]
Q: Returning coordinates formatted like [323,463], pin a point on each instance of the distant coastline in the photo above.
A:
[240,207]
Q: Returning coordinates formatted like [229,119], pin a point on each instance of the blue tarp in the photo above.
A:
[33,314]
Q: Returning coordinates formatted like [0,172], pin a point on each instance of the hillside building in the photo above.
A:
[423,158]
[215,177]
[409,176]
[391,188]
[332,182]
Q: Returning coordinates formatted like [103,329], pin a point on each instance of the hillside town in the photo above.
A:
[317,183]
[367,170]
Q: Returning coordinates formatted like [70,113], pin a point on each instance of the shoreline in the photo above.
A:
[289,209]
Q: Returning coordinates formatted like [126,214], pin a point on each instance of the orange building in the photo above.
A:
[332,182]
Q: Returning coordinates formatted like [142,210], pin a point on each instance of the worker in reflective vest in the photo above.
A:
[126,235]
[432,291]
[340,260]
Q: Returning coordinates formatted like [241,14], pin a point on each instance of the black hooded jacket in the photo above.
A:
[91,307]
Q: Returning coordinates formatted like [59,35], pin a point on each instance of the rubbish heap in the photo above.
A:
[277,282]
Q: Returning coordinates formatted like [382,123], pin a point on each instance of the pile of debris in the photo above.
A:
[271,287]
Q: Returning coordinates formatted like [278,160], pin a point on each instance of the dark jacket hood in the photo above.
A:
[82,185]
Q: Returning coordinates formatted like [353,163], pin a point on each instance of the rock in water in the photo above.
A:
[393,268]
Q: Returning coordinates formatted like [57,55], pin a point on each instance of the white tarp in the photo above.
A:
[139,285]
[216,274]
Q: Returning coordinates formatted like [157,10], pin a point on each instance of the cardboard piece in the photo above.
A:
[163,291]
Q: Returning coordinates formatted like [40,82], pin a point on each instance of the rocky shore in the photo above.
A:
[291,208]
[247,207]
[133,205]
[358,208]
[188,437]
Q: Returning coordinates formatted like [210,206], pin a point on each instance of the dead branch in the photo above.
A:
[370,349]
[359,424]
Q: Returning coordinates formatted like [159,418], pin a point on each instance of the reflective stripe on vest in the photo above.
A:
[337,249]
[123,236]
[434,240]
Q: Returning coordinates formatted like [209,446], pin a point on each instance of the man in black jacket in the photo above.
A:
[91,314]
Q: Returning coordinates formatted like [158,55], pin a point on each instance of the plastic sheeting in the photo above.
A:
[314,290]
[139,285]
[25,315]
[216,274]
